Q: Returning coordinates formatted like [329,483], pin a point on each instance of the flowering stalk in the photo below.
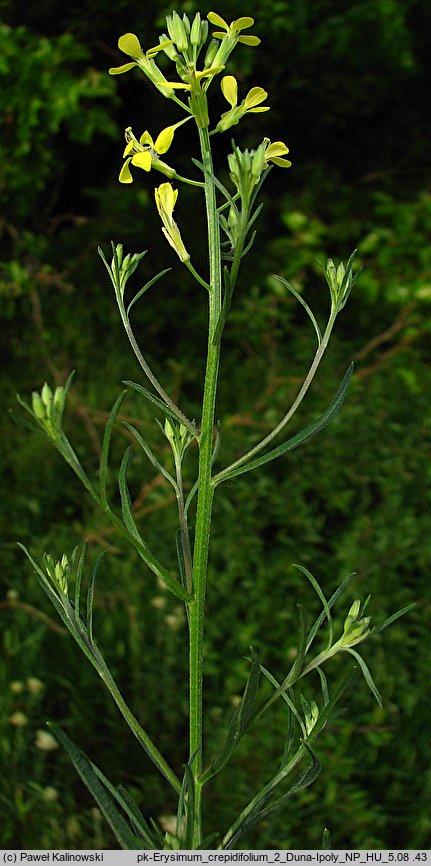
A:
[232,214]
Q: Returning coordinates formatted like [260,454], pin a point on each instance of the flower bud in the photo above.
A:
[38,406]
[46,395]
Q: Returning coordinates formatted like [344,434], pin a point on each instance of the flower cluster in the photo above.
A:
[197,63]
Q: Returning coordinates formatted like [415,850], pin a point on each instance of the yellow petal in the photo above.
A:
[249,40]
[206,73]
[229,88]
[254,97]
[217,20]
[242,23]
[129,44]
[118,70]
[284,163]
[125,176]
[166,197]
[128,148]
[160,47]
[146,139]
[256,110]
[164,139]
[142,160]
[174,84]
[276,148]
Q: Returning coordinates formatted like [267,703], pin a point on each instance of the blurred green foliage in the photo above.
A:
[348,85]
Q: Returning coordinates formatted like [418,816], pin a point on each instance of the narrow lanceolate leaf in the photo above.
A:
[186,807]
[78,578]
[393,618]
[126,505]
[106,445]
[239,721]
[263,804]
[153,399]
[90,595]
[145,289]
[226,305]
[367,675]
[287,696]
[334,597]
[300,437]
[326,609]
[125,836]
[304,304]
[151,456]
[142,548]
[127,803]
[257,807]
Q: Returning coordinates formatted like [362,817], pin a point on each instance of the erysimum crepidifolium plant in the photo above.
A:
[200,62]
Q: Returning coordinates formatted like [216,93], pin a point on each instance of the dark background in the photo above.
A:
[348,86]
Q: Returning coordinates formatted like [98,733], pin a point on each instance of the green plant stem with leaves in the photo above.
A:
[231,215]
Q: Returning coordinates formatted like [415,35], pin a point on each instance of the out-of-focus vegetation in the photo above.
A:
[348,83]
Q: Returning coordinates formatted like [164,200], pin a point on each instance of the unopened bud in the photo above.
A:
[46,395]
[38,406]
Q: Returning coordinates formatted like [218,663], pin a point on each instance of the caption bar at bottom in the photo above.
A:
[170,858]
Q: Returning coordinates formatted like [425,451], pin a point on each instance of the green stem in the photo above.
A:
[205,491]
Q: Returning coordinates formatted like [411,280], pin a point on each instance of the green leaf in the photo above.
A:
[264,806]
[181,557]
[128,840]
[287,696]
[153,399]
[186,807]
[146,287]
[78,578]
[257,807]
[367,675]
[326,609]
[300,437]
[304,304]
[144,552]
[126,505]
[106,445]
[226,305]
[152,458]
[132,810]
[334,597]
[393,618]
[324,685]
[239,720]
[90,594]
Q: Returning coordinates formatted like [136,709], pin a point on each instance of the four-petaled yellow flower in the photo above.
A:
[249,105]
[130,45]
[274,153]
[233,29]
[166,197]
[145,153]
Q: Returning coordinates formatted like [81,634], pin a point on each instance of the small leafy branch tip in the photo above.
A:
[230,212]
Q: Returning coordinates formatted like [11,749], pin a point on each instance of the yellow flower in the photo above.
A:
[274,151]
[249,105]
[130,45]
[166,197]
[144,154]
[233,29]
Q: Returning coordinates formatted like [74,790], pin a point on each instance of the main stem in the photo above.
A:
[205,489]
